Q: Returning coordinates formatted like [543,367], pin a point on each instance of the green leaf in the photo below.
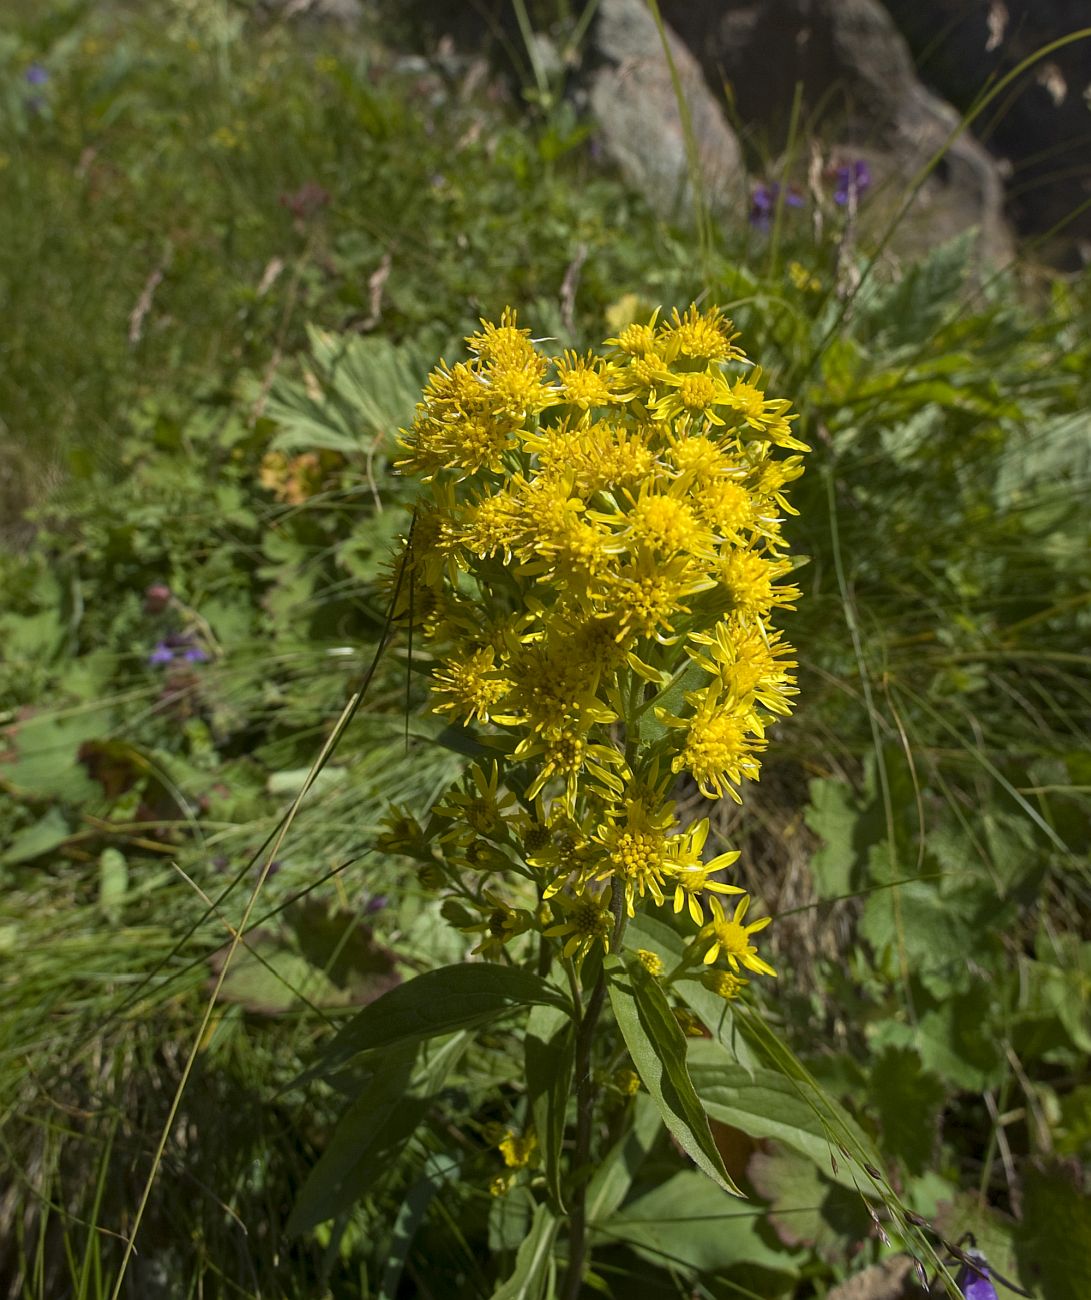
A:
[1054,1241]
[690,1224]
[550,1062]
[765,1103]
[832,814]
[535,1268]
[671,700]
[509,1219]
[46,755]
[438,1002]
[911,922]
[614,1176]
[42,837]
[365,1144]
[806,1208]
[658,1048]
[909,1101]
[440,1170]
[113,882]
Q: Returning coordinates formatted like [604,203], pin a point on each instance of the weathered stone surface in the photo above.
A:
[632,96]
[858,77]
[1044,130]
[348,13]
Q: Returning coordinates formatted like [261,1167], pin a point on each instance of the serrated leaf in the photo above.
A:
[550,1062]
[437,1002]
[912,923]
[805,1207]
[832,814]
[1053,1243]
[909,1101]
[658,1048]
[535,1267]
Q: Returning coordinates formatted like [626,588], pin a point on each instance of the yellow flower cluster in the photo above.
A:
[596,563]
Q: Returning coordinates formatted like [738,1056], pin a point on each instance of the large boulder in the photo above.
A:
[632,97]
[1042,125]
[860,87]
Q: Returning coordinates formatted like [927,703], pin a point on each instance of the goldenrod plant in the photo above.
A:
[594,568]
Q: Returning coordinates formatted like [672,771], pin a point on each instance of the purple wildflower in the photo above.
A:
[162,654]
[375,904]
[850,178]
[195,655]
[37,75]
[763,202]
[974,1282]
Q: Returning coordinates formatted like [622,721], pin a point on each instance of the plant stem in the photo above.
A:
[585,1113]
[585,1108]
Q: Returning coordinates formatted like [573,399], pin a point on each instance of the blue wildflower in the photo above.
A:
[37,75]
[160,655]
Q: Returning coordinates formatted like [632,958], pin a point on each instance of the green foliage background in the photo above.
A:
[180,308]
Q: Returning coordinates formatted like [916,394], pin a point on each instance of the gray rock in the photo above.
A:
[632,97]
[857,74]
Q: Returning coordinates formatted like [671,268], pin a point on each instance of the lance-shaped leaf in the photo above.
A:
[614,1176]
[658,1048]
[364,1144]
[534,1264]
[550,1062]
[438,1002]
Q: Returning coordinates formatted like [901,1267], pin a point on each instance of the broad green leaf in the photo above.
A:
[805,1207]
[658,1048]
[828,1117]
[535,1267]
[691,1224]
[614,1176]
[909,1101]
[46,758]
[49,831]
[550,1062]
[912,923]
[762,1103]
[437,1002]
[365,1144]
[1053,1243]
[832,814]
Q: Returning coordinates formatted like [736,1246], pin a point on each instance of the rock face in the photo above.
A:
[632,97]
[1044,130]
[858,78]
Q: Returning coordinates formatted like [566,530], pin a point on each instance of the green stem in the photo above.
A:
[585,1110]
[585,1113]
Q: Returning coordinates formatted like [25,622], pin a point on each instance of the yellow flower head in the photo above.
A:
[595,528]
[730,939]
